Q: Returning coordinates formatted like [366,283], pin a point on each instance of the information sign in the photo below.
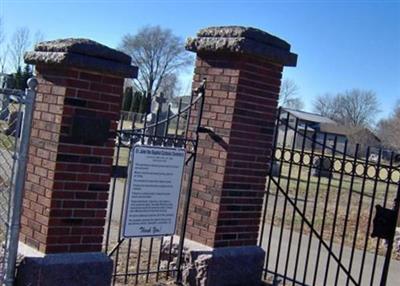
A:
[154,184]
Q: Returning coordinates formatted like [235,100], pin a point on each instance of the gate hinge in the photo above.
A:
[384,223]
[208,130]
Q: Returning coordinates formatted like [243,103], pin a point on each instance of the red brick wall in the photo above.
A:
[240,106]
[67,183]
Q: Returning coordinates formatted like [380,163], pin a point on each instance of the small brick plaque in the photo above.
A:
[90,131]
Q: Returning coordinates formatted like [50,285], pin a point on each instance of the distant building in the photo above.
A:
[320,130]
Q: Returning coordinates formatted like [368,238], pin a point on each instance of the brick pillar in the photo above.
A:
[243,68]
[72,144]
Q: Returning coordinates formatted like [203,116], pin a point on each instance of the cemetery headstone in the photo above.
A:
[276,167]
[158,113]
[322,167]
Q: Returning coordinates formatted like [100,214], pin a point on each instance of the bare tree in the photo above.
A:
[3,48]
[19,44]
[330,106]
[288,95]
[170,86]
[158,53]
[361,107]
[38,37]
[2,36]
[389,129]
[3,58]
[355,108]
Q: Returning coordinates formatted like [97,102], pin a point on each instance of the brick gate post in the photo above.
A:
[70,159]
[243,68]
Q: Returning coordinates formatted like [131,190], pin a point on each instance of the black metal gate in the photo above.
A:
[149,259]
[330,207]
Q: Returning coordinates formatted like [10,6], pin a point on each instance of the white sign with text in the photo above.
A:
[154,184]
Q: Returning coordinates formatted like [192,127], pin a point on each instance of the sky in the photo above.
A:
[340,44]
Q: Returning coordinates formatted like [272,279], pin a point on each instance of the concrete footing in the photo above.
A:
[65,269]
[226,266]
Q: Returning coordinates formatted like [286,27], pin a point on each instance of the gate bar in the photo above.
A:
[385,271]
[338,260]
[189,190]
[378,241]
[293,143]
[296,200]
[275,202]
[359,208]
[315,206]
[343,240]
[337,203]
[371,209]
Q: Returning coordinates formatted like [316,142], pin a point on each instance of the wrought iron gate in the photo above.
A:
[16,113]
[330,208]
[142,260]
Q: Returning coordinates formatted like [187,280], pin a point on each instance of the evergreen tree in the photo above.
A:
[18,80]
[143,104]
[148,103]
[136,102]
[21,77]
[127,101]
[26,74]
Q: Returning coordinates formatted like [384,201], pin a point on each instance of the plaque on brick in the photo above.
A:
[154,184]
[90,130]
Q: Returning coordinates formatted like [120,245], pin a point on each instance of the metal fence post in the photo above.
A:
[18,182]
[202,91]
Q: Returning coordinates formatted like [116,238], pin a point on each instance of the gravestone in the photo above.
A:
[276,168]
[157,107]
[322,167]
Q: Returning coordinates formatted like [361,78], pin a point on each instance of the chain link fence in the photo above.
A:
[16,112]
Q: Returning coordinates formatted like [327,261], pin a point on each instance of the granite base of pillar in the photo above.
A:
[66,269]
[226,266]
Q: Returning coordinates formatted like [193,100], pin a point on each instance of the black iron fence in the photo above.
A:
[149,259]
[330,210]
[329,214]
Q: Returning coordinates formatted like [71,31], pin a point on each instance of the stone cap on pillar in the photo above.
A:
[82,53]
[242,40]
